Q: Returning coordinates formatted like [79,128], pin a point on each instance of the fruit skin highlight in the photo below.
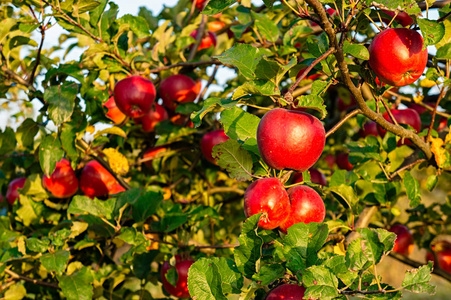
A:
[63,182]
[96,181]
[397,56]
[134,96]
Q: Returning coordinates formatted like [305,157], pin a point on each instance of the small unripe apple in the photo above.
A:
[182,266]
[151,153]
[96,181]
[316,176]
[404,239]
[150,119]
[397,56]
[402,18]
[63,182]
[208,40]
[443,252]
[306,206]
[134,96]
[269,197]
[406,116]
[178,89]
[343,161]
[12,194]
[114,113]
[290,139]
[209,140]
[287,292]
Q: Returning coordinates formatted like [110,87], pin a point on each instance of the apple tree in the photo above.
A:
[224,149]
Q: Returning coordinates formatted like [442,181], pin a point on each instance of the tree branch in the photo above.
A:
[34,281]
[405,260]
[186,64]
[342,121]
[437,4]
[200,35]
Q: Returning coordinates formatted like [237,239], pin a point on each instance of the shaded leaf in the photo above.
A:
[237,161]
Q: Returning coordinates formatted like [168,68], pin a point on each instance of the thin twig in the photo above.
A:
[210,81]
[200,35]
[431,126]
[405,260]
[185,64]
[409,166]
[35,281]
[342,121]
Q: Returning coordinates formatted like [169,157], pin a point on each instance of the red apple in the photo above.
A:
[96,181]
[332,12]
[343,161]
[306,206]
[442,121]
[181,120]
[178,89]
[402,18]
[286,292]
[406,116]
[208,40]
[330,160]
[151,153]
[11,193]
[200,4]
[209,140]
[397,56]
[63,182]
[344,104]
[267,196]
[316,176]
[180,289]
[150,119]
[369,128]
[443,252]
[290,139]
[214,26]
[113,112]
[134,96]
[404,239]
[312,75]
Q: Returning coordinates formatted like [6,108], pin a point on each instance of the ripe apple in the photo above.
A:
[306,206]
[209,140]
[208,40]
[404,239]
[215,26]
[63,182]
[443,252]
[11,193]
[442,121]
[287,292]
[402,18]
[343,161]
[96,181]
[345,104]
[330,160]
[150,119]
[180,289]
[181,120]
[397,56]
[290,139]
[134,96]
[406,116]
[267,196]
[178,89]
[151,153]
[113,112]
[369,128]
[200,4]
[312,75]
[316,176]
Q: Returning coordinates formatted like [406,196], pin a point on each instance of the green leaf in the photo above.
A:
[142,264]
[204,280]
[375,249]
[269,273]
[312,101]
[84,6]
[37,245]
[413,189]
[345,194]
[444,52]
[256,87]
[33,187]
[146,205]
[267,27]
[356,257]
[408,6]
[7,141]
[387,238]
[431,30]
[95,207]
[30,212]
[216,6]
[26,132]
[320,283]
[112,130]
[249,252]
[61,100]
[16,292]
[432,182]
[209,105]
[55,262]
[237,161]
[356,50]
[136,24]
[232,279]
[245,57]
[417,280]
[50,153]
[239,124]
[78,285]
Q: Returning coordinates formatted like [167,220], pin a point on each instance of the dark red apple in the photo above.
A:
[344,104]
[402,18]
[180,289]
[287,292]
[151,153]
[181,120]
[397,56]
[63,182]
[178,89]
[443,252]
[150,119]
[312,75]
[12,194]
[290,139]
[96,181]
[269,197]
[343,161]
[306,206]
[406,116]
[113,112]
[442,122]
[369,128]
[208,40]
[404,239]
[134,96]
[330,160]
[209,140]
[316,176]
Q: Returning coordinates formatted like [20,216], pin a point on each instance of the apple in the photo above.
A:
[178,89]
[134,96]
[369,128]
[113,112]
[286,292]
[330,160]
[342,161]
[200,4]
[11,193]
[96,181]
[150,119]
[397,56]
[181,120]
[151,153]
[312,75]
[404,239]
[290,139]
[63,182]
[345,104]
[209,140]
[180,289]
[316,176]
[306,206]
[402,18]
[406,116]
[442,121]
[442,251]
[267,196]
[208,40]
[215,26]
[332,12]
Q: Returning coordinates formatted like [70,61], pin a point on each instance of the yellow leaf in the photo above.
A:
[118,162]
[21,245]
[418,98]
[91,129]
[340,249]
[439,152]
[448,138]
[112,130]
[427,83]
[16,292]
